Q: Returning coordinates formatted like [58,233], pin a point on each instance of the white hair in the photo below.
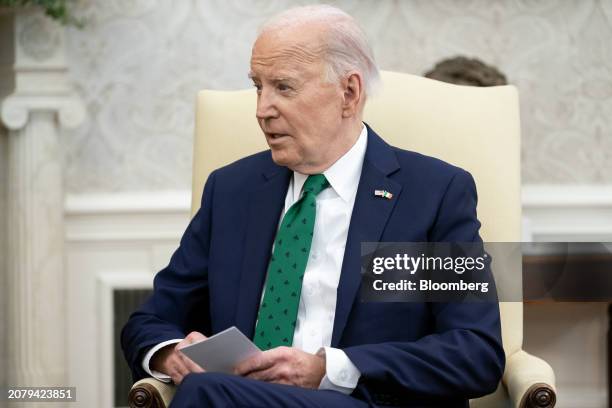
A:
[346,47]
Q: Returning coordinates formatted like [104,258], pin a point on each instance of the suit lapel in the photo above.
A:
[370,215]
[265,205]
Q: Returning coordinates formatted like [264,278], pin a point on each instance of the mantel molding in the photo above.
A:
[567,212]
[550,212]
[567,196]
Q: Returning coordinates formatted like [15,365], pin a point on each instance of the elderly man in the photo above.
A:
[274,249]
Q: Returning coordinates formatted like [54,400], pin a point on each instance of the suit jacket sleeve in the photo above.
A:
[180,300]
[463,357]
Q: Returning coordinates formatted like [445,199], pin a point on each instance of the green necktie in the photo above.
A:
[278,310]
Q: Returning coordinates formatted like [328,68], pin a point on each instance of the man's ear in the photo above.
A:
[352,87]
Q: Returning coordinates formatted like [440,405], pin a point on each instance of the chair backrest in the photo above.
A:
[477,129]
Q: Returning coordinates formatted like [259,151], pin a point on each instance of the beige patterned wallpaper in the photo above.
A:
[139,63]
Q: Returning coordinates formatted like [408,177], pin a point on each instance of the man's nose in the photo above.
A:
[265,105]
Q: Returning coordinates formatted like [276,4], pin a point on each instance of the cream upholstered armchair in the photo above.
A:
[477,129]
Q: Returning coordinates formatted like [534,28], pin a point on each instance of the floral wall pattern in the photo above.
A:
[139,63]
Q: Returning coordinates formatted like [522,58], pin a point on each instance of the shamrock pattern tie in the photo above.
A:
[278,310]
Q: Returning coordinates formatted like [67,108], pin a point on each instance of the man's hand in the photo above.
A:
[170,361]
[285,365]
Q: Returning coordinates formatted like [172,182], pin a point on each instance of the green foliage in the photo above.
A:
[56,9]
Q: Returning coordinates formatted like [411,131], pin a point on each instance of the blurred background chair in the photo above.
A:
[477,129]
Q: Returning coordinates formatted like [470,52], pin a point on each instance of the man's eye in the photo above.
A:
[283,87]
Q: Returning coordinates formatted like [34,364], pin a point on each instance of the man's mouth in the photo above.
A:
[275,135]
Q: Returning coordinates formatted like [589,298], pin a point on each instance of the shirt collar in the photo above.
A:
[343,176]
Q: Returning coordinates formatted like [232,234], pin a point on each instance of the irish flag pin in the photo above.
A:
[383,193]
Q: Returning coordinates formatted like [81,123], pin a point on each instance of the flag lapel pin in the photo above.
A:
[383,193]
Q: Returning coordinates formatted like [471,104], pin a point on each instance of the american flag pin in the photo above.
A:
[383,193]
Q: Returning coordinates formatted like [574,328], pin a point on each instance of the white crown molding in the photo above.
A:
[567,212]
[141,216]
[131,202]
[550,213]
[566,196]
[533,196]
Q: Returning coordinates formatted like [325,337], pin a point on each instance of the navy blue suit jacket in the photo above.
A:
[440,353]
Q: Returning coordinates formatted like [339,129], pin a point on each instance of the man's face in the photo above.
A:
[299,112]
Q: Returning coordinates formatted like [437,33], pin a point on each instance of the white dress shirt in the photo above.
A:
[316,311]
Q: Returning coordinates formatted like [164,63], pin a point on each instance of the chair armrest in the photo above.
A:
[530,381]
[151,393]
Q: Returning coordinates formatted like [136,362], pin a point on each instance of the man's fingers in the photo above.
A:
[276,374]
[177,378]
[189,364]
[262,375]
[194,337]
[181,365]
[171,361]
[180,369]
[178,365]
[175,373]
[191,338]
[261,361]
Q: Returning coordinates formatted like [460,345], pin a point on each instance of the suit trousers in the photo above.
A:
[223,390]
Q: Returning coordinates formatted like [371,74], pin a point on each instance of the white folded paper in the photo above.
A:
[222,352]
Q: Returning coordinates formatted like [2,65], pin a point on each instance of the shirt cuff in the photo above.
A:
[147,359]
[340,372]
